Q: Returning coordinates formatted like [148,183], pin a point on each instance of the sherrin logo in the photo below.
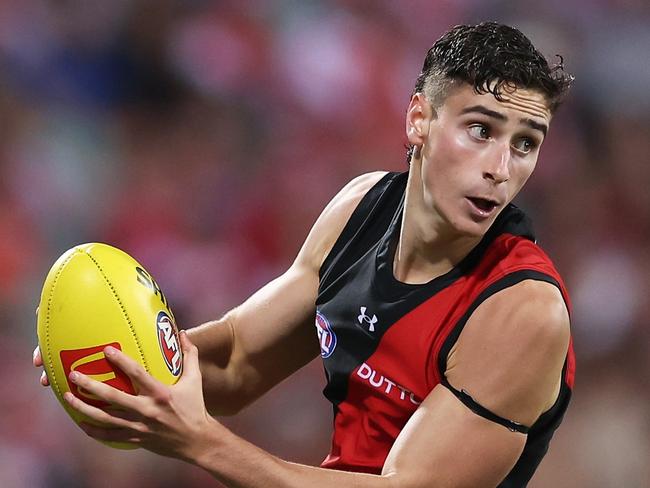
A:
[92,362]
[169,343]
[326,336]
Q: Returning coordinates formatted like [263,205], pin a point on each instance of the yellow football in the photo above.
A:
[96,295]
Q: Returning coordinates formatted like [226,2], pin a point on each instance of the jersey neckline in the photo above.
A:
[387,283]
[390,287]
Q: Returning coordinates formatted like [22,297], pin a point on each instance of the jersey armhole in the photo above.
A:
[506,281]
[359,214]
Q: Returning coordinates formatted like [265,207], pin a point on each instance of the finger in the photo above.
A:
[104,392]
[120,413]
[37,359]
[142,380]
[97,414]
[110,435]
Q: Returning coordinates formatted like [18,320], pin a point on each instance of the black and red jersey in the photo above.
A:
[385,343]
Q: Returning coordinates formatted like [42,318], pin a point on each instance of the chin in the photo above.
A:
[469,228]
[462,224]
[476,231]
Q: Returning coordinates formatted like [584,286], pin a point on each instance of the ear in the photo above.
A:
[418,118]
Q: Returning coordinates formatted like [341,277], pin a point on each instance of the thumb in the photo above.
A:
[190,356]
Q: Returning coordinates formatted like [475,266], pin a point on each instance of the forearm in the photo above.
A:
[239,464]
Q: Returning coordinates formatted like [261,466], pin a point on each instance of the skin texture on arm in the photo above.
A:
[511,352]
[509,357]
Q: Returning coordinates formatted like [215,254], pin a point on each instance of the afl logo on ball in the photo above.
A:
[169,343]
[326,336]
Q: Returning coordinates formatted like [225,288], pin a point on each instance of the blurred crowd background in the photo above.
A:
[204,137]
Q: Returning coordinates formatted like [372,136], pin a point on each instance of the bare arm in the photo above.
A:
[271,335]
[258,344]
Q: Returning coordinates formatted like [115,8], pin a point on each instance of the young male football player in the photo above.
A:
[443,327]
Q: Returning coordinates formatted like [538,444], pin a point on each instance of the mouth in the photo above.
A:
[484,206]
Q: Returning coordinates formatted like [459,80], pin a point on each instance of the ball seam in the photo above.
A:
[47,323]
[126,315]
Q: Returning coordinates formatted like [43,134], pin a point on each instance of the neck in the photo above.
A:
[428,245]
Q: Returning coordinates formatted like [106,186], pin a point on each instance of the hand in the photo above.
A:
[168,420]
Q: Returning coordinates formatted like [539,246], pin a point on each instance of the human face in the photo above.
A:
[476,153]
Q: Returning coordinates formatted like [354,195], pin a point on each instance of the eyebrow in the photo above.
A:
[535,125]
[543,128]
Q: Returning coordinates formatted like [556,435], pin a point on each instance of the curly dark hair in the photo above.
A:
[490,57]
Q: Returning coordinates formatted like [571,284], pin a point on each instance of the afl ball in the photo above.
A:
[94,296]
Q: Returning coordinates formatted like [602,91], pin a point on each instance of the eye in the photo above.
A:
[525,145]
[479,131]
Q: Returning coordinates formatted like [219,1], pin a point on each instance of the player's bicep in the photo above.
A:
[259,343]
[273,331]
[445,444]
[509,356]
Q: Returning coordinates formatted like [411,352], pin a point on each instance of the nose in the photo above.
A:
[497,168]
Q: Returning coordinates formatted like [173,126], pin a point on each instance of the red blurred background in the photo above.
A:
[205,137]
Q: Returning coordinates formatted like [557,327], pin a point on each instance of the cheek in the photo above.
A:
[446,170]
[455,145]
[450,158]
[520,175]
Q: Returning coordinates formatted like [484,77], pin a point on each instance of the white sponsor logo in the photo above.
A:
[390,388]
[371,321]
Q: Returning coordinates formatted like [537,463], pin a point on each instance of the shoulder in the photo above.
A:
[532,309]
[511,352]
[512,258]
[346,200]
[333,218]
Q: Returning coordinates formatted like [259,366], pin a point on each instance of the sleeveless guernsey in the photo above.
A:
[384,343]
